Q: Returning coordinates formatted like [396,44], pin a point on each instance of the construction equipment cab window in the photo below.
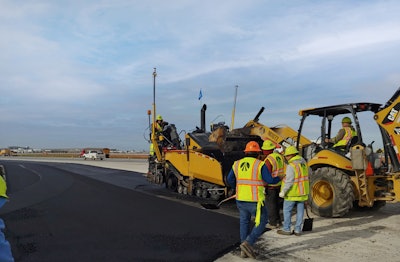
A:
[344,136]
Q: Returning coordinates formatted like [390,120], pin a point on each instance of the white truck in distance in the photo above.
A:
[92,154]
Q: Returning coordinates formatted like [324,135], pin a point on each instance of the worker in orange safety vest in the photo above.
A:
[276,166]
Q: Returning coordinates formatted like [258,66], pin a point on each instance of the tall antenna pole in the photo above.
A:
[234,108]
[154,99]
[154,138]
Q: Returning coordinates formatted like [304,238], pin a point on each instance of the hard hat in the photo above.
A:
[268,145]
[346,120]
[252,146]
[159,117]
[291,150]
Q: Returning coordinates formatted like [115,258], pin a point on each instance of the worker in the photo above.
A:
[5,248]
[249,176]
[295,188]
[344,135]
[276,166]
[158,129]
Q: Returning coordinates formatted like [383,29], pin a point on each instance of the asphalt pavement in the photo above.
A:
[78,212]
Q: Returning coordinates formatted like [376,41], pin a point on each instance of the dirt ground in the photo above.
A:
[367,235]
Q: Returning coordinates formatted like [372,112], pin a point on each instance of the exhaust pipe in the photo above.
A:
[203,118]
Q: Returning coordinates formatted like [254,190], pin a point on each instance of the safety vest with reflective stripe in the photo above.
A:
[348,135]
[277,166]
[301,186]
[3,188]
[249,183]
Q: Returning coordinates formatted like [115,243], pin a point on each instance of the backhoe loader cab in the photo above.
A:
[320,123]
[352,175]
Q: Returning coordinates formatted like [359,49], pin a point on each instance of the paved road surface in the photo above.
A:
[71,212]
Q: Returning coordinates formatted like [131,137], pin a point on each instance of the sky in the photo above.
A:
[77,74]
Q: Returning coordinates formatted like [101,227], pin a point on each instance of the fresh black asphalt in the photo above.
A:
[71,212]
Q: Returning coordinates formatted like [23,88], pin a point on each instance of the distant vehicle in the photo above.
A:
[5,152]
[106,151]
[94,155]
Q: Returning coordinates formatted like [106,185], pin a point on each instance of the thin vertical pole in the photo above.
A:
[154,97]
[234,108]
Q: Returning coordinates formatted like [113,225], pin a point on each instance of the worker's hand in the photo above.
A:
[281,194]
[282,176]
[327,140]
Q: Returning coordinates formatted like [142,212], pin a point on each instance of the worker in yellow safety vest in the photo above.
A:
[295,189]
[5,248]
[344,135]
[159,124]
[158,128]
[3,188]
[249,176]
[276,166]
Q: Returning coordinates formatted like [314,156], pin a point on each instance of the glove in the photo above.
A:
[281,194]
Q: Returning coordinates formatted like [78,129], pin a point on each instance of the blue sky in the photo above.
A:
[79,73]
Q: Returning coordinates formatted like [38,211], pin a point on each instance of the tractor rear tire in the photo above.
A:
[331,192]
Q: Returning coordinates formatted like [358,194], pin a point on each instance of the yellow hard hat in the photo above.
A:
[291,150]
[346,120]
[159,117]
[252,146]
[268,145]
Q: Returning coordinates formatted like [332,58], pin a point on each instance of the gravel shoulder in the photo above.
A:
[368,235]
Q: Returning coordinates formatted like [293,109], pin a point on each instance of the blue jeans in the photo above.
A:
[287,215]
[246,211]
[5,248]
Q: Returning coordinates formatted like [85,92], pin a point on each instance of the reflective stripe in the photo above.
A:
[254,188]
[236,168]
[300,179]
[250,182]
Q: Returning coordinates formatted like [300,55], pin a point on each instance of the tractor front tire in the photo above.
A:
[331,192]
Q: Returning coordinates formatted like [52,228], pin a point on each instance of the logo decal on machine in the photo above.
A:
[392,115]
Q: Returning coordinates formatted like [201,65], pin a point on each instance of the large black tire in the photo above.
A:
[331,192]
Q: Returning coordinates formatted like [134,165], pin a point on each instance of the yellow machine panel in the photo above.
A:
[326,156]
[196,166]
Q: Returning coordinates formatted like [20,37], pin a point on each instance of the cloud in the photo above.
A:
[76,65]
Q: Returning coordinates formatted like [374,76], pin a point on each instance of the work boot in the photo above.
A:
[296,233]
[283,232]
[242,254]
[273,226]
[247,249]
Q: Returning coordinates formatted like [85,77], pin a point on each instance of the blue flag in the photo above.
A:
[200,95]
